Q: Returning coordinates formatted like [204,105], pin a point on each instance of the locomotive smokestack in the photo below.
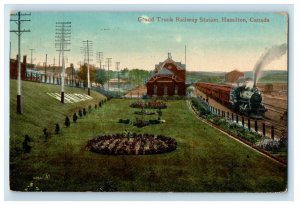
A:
[274,53]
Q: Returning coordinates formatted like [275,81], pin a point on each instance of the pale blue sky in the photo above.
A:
[210,46]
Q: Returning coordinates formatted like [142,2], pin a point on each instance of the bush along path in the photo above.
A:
[232,130]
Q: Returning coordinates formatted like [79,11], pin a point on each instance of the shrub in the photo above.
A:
[150,104]
[46,134]
[26,146]
[269,145]
[57,129]
[74,117]
[80,113]
[200,106]
[283,142]
[127,121]
[67,121]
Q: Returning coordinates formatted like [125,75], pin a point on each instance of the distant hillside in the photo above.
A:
[211,77]
[270,76]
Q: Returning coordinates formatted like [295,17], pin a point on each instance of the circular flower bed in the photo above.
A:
[150,105]
[131,144]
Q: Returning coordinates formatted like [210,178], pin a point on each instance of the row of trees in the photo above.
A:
[100,76]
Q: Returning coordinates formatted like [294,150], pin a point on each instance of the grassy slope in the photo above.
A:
[205,159]
[34,117]
[274,78]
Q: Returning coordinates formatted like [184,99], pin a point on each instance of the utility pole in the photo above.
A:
[19,32]
[45,69]
[108,64]
[63,35]
[9,50]
[185,56]
[88,52]
[117,68]
[31,57]
[72,67]
[100,58]
[53,70]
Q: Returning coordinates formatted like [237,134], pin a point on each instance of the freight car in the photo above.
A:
[242,99]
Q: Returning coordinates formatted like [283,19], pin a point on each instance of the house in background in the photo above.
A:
[14,68]
[233,76]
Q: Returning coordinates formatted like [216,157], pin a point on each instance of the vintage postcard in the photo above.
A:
[148,101]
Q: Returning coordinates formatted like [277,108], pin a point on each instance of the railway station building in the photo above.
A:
[168,79]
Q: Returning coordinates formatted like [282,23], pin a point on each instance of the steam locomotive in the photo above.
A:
[242,99]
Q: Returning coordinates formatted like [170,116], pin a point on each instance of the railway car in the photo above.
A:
[247,101]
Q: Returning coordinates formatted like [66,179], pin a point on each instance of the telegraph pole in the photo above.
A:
[72,67]
[19,32]
[108,64]
[9,50]
[31,57]
[117,68]
[46,70]
[185,56]
[63,35]
[88,52]
[100,58]
[53,70]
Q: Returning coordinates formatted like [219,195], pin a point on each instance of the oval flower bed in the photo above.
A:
[132,144]
[150,105]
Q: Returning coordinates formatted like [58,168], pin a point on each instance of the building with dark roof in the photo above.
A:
[168,79]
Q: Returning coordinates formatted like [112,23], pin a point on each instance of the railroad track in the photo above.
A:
[275,109]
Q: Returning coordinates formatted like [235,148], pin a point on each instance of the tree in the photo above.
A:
[82,73]
[71,72]
[101,77]
[138,76]
[67,121]
[74,117]
[124,73]
[46,134]
[57,129]
[26,146]
[80,113]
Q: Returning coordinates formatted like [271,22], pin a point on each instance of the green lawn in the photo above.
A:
[40,110]
[205,160]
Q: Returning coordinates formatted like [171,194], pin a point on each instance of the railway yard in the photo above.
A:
[276,114]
